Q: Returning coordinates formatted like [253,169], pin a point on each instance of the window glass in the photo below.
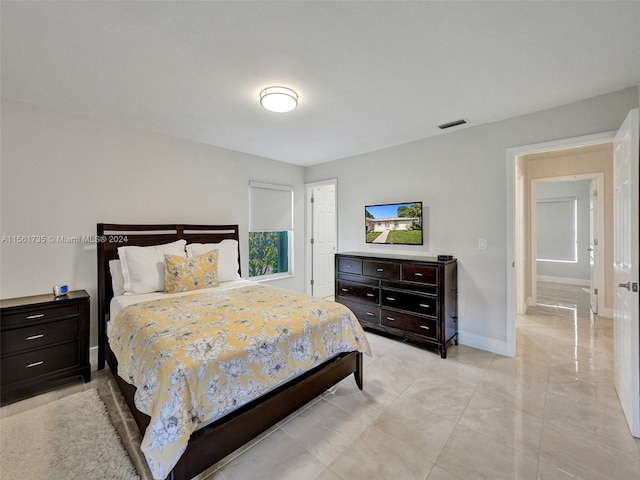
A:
[268,253]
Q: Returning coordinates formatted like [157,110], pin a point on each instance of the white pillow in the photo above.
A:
[227,257]
[143,267]
[117,280]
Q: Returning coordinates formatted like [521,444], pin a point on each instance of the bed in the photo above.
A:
[236,424]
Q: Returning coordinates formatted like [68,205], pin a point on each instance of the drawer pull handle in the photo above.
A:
[345,289]
[370,295]
[35,337]
[424,326]
[391,299]
[379,269]
[34,364]
[39,315]
[370,314]
[424,305]
[391,319]
[418,274]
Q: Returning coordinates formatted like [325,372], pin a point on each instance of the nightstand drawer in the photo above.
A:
[38,362]
[37,336]
[38,315]
[364,312]
[420,274]
[410,301]
[358,291]
[410,323]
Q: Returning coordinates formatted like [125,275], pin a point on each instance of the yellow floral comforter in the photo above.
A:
[196,358]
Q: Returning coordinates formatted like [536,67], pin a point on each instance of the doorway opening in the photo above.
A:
[521,284]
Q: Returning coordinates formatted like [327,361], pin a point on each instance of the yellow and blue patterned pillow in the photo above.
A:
[182,274]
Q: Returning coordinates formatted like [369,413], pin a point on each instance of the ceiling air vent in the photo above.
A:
[455,123]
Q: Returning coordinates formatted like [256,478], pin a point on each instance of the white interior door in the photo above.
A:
[593,247]
[324,238]
[626,257]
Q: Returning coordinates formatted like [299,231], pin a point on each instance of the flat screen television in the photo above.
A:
[394,223]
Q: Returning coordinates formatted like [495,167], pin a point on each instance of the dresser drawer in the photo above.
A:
[36,336]
[38,362]
[364,312]
[409,323]
[420,288]
[358,291]
[350,265]
[410,301]
[386,270]
[38,315]
[420,274]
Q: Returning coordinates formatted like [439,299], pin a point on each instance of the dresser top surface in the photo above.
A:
[392,256]
[43,300]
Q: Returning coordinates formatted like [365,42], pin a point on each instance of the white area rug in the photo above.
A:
[71,438]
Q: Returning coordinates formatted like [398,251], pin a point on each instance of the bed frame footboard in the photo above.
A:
[212,443]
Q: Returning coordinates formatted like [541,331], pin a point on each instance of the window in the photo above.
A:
[557,227]
[270,230]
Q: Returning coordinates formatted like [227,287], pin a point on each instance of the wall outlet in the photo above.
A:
[482,244]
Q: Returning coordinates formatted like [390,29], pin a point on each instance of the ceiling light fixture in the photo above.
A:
[278,99]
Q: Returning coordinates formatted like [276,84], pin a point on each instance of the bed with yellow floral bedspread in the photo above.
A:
[195,358]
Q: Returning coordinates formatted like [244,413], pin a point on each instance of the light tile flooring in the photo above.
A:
[550,413]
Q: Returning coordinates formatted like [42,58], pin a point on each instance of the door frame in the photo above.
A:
[595,260]
[520,239]
[512,209]
[308,250]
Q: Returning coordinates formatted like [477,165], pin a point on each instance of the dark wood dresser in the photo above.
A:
[44,342]
[411,297]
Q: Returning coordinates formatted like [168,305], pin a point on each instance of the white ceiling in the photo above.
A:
[369,74]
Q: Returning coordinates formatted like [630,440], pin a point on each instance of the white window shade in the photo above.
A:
[270,207]
[557,229]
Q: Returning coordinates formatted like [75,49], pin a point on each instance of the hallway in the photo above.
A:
[584,430]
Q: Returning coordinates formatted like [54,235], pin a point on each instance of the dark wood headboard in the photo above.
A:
[110,236]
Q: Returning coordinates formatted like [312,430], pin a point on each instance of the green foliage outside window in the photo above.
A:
[263,253]
[268,253]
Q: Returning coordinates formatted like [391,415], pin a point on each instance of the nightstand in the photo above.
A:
[44,342]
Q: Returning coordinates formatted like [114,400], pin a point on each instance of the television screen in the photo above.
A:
[394,223]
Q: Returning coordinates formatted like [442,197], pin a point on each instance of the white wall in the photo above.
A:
[561,272]
[61,174]
[461,178]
